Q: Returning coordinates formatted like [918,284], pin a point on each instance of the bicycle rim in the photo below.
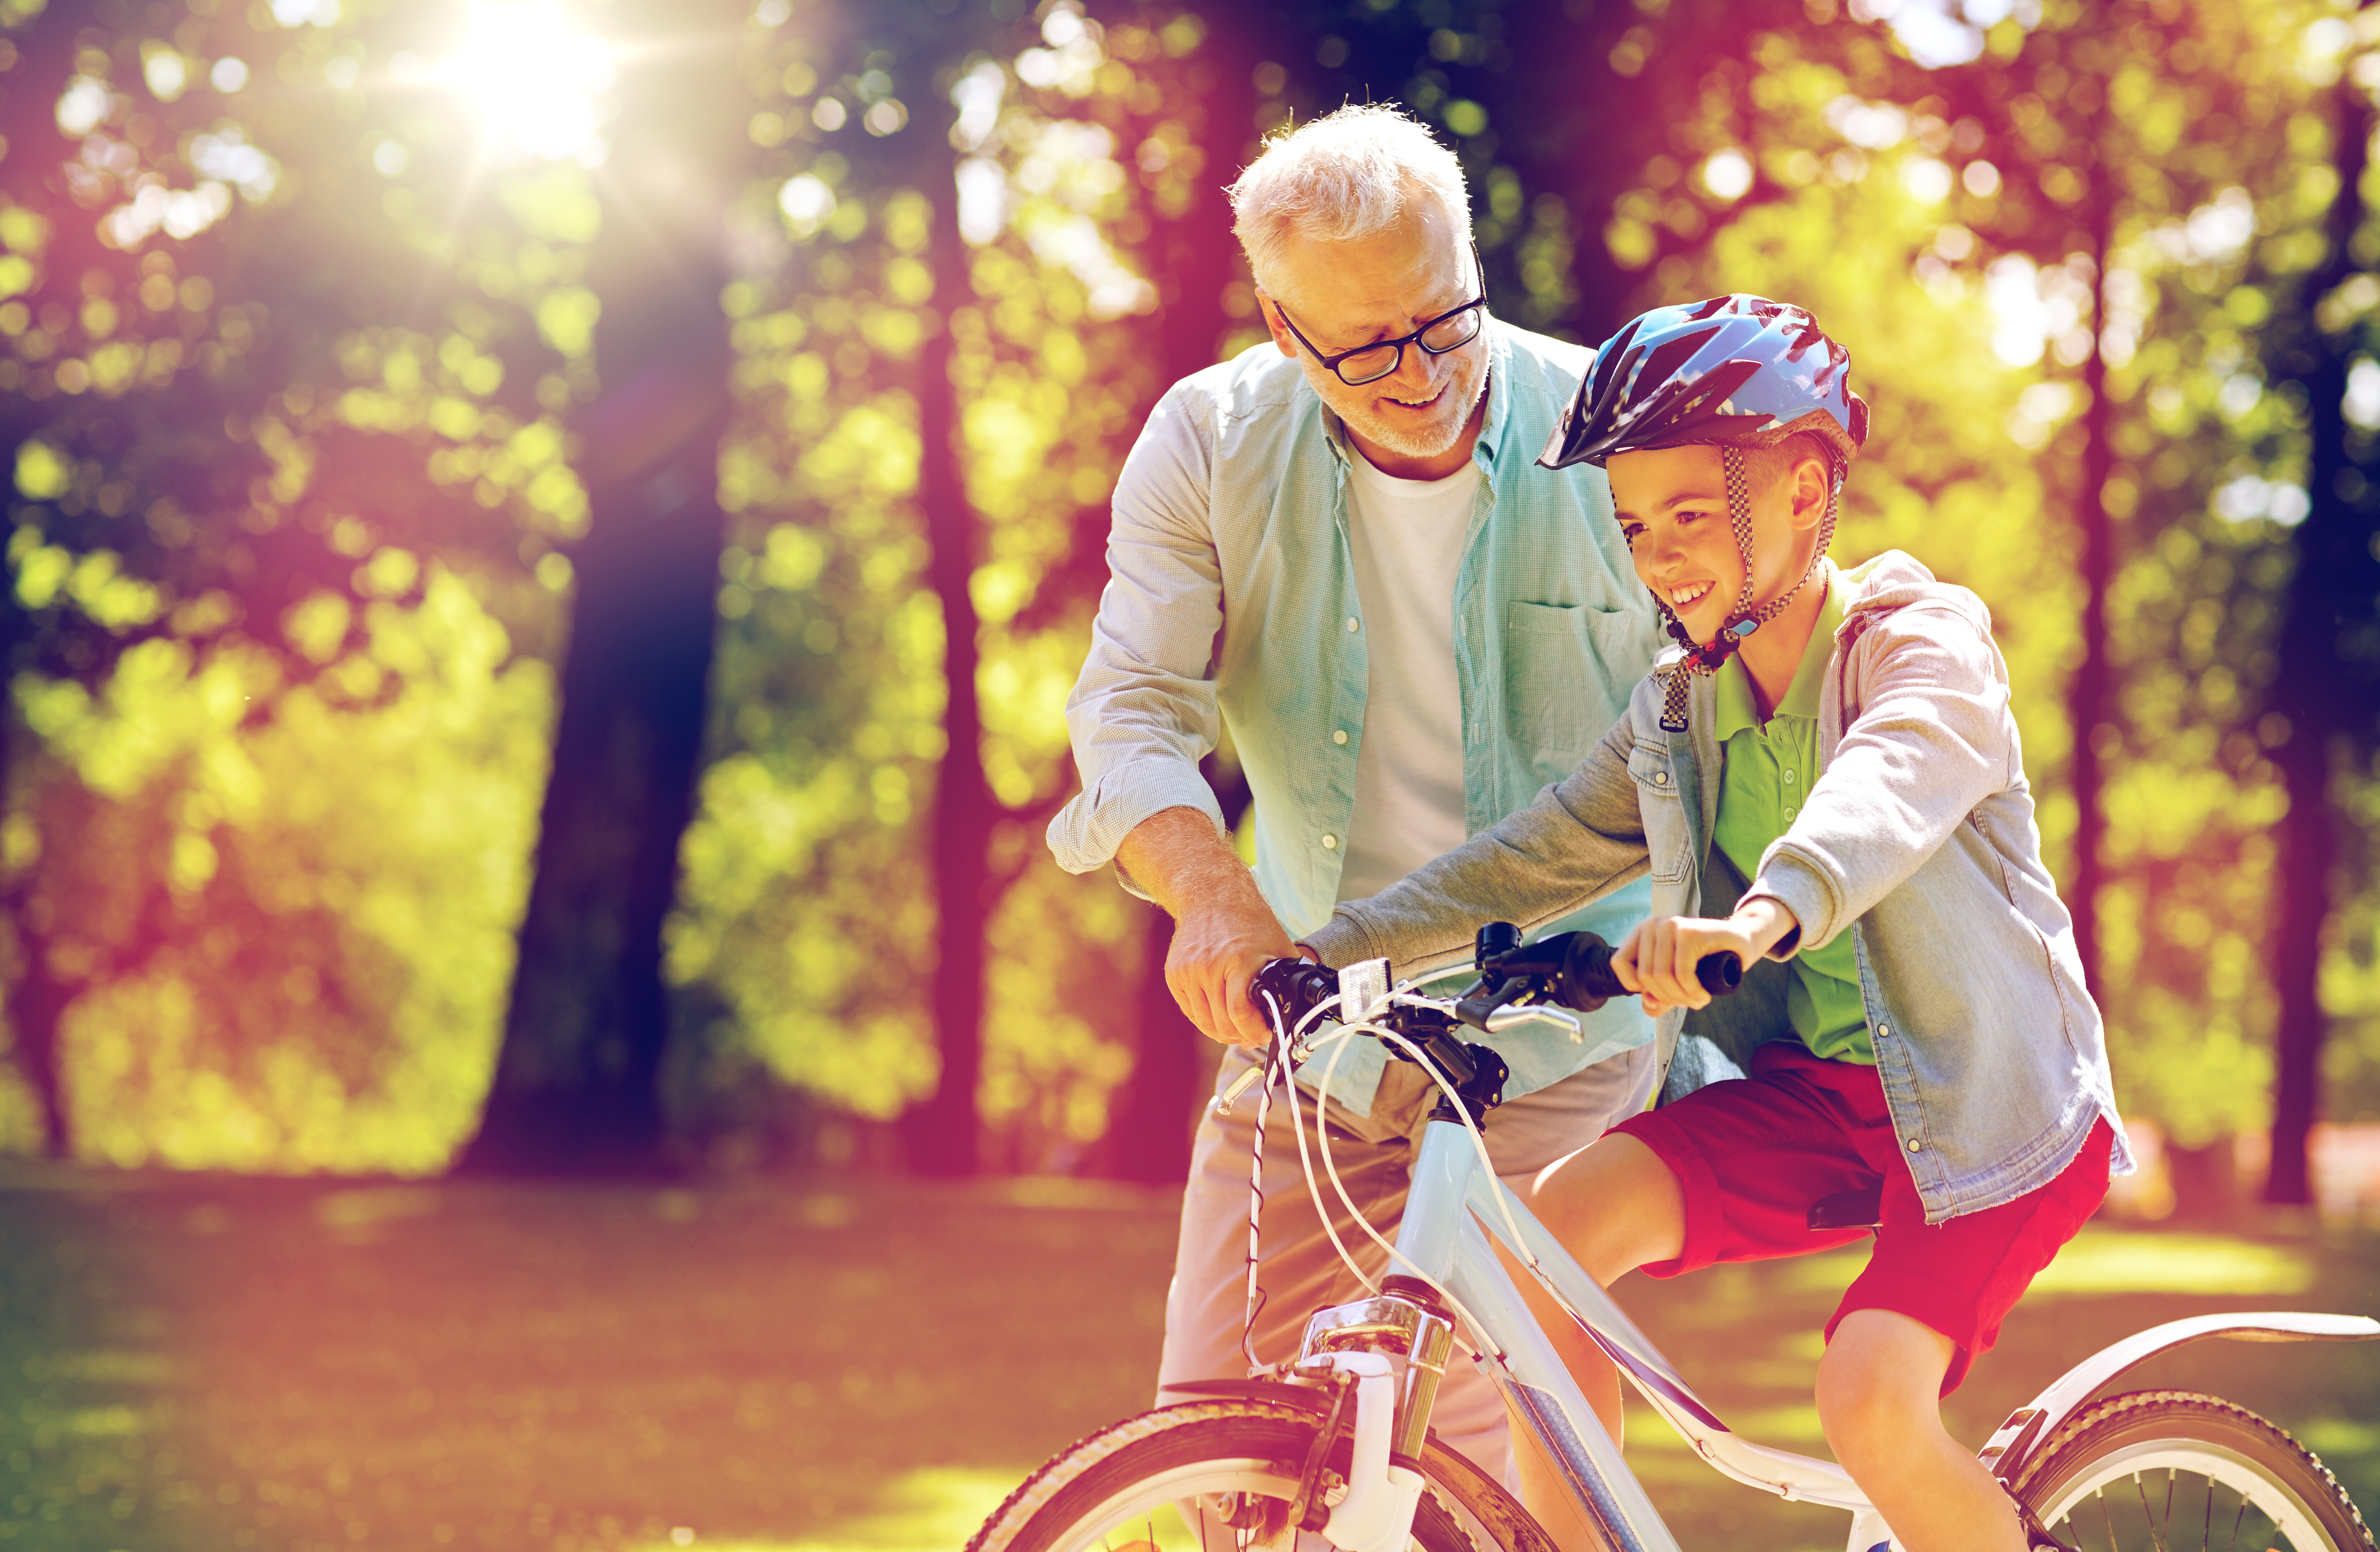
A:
[2169,1470]
[1219,1476]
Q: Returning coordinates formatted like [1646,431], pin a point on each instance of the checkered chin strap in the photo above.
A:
[1743,619]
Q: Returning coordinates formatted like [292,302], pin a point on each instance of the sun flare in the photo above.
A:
[536,84]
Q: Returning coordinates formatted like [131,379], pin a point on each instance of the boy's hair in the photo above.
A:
[1344,176]
[1778,460]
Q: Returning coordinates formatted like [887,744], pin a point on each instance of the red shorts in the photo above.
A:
[1753,1154]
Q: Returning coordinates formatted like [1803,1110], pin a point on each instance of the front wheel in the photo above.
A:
[1219,1477]
[2166,1470]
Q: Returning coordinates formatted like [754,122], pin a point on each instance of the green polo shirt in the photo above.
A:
[1766,772]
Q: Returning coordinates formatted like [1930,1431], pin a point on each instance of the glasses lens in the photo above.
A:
[1365,366]
[1450,333]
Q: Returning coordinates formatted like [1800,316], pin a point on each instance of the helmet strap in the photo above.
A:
[1742,621]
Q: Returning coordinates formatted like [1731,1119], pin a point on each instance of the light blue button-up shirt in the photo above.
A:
[1232,601]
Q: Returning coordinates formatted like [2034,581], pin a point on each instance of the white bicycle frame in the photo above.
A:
[1441,1238]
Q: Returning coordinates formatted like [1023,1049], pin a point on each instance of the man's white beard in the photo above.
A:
[1426,442]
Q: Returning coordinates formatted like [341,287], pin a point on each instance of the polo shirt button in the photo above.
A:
[1788,776]
[1914,1146]
[1330,842]
[1339,735]
[1354,623]
[1789,813]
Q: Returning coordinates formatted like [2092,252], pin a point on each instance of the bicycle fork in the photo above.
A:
[1393,1346]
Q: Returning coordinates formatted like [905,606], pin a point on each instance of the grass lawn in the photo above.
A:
[816,1366]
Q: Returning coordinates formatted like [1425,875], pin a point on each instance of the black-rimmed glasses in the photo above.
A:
[1369,363]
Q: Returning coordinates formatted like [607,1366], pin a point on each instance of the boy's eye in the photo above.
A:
[1628,531]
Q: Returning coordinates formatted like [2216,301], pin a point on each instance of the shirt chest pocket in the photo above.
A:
[1566,679]
[1665,815]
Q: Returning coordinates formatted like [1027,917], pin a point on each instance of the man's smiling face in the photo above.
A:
[1344,295]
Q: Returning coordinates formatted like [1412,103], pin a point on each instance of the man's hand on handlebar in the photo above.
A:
[1658,959]
[1217,948]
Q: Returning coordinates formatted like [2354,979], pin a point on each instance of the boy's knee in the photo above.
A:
[1881,1376]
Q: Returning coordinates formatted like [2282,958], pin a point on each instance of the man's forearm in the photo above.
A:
[1226,928]
[1181,861]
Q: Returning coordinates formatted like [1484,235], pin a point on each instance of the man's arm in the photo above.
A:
[1223,929]
[1144,711]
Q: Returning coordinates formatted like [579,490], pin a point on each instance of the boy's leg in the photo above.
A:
[1879,1398]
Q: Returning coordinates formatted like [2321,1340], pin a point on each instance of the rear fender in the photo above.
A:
[2004,1455]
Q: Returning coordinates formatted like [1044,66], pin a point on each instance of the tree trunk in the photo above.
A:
[37,1006]
[2332,581]
[577,1081]
[1148,1123]
[943,1133]
[2086,694]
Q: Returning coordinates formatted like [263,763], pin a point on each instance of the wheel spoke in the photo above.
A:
[2206,1532]
[2146,1513]
[2108,1518]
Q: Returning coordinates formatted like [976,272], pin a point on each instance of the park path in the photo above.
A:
[809,1364]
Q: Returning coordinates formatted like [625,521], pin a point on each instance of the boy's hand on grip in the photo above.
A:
[1658,960]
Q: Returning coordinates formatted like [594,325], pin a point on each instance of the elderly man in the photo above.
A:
[1341,548]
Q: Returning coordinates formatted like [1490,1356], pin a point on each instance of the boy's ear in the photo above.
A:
[1813,481]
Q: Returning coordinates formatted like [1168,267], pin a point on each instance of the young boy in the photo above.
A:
[1843,741]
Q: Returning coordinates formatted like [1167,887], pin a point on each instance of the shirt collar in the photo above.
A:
[1737,710]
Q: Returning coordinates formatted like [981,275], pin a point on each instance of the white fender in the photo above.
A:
[2028,1424]
[1376,1514]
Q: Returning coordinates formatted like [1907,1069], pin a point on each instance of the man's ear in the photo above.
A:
[1269,310]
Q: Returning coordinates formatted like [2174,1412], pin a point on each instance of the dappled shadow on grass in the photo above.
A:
[814,1366]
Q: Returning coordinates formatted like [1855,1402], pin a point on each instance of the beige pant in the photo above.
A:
[1207,1308]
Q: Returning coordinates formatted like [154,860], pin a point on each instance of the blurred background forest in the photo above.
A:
[548,544]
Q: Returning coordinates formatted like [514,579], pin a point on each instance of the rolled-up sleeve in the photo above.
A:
[1144,711]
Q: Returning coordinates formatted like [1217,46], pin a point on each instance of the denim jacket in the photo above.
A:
[1918,838]
[1231,602]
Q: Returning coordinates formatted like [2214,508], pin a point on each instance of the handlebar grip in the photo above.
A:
[1586,980]
[1720,974]
[1298,985]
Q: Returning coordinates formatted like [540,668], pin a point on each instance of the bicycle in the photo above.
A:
[1335,1449]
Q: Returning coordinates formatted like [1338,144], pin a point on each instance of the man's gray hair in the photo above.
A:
[1344,176]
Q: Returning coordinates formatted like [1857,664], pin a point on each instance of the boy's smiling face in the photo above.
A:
[1672,506]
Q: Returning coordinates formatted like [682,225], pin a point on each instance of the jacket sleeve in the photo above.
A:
[1583,838]
[1931,738]
[1144,710]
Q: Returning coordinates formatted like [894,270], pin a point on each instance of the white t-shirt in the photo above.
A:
[1408,537]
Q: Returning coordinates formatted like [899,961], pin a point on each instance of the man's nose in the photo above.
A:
[1415,370]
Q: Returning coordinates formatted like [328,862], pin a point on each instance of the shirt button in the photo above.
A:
[1884,1032]
[1354,623]
[1788,777]
[1914,1146]
[1330,842]
[1339,735]
[1661,778]
[1789,813]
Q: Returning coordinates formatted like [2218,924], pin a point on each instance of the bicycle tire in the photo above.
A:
[1119,1487]
[2158,1471]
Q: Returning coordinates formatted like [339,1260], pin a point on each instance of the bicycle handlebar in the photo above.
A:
[1570,968]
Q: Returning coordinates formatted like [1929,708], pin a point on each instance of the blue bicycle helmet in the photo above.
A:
[1735,371]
